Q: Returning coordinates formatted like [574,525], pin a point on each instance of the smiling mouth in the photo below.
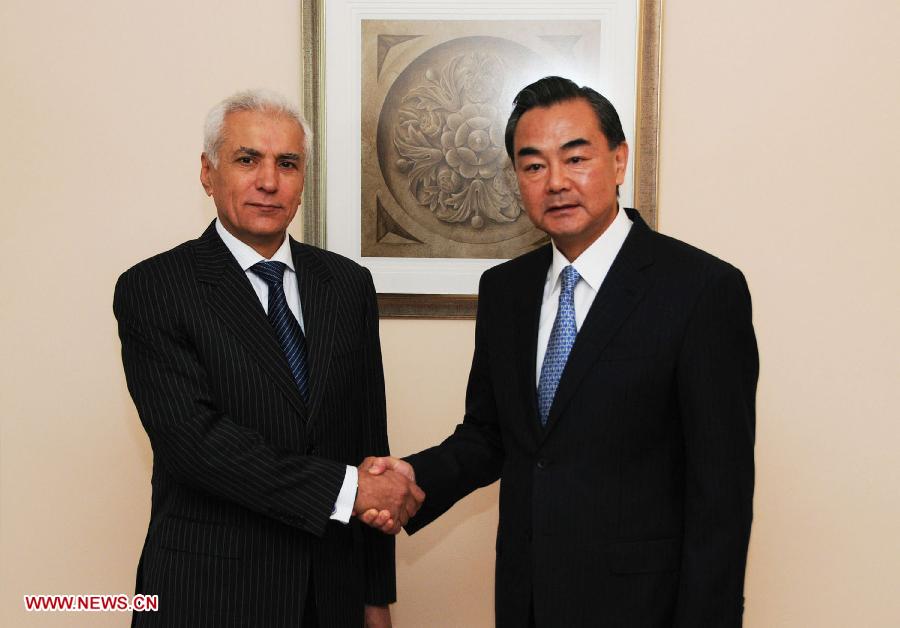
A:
[264,206]
[562,207]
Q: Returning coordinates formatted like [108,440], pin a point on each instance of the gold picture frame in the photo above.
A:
[463,306]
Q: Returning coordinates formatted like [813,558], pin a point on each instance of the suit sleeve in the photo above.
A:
[473,455]
[195,441]
[717,374]
[381,584]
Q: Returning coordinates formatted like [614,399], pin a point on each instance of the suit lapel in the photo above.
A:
[318,302]
[621,291]
[527,307]
[230,296]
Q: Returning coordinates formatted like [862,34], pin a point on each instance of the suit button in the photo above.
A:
[542,464]
[312,450]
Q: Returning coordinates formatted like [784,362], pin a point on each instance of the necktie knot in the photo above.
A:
[270,272]
[569,278]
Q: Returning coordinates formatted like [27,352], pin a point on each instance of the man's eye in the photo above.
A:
[576,159]
[532,167]
[288,164]
[245,160]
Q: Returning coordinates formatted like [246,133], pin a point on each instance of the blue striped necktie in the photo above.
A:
[562,337]
[288,330]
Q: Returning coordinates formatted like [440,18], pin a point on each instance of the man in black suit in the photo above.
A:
[255,366]
[612,391]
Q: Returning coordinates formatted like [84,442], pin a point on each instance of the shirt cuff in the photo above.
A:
[343,507]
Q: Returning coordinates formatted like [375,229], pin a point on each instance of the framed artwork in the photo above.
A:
[408,103]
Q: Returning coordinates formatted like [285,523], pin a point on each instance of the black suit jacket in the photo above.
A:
[632,508]
[245,474]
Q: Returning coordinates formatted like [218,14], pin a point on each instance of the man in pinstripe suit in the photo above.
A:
[254,477]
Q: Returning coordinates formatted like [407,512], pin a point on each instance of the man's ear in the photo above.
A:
[621,158]
[205,178]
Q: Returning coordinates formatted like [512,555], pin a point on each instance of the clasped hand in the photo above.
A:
[387,495]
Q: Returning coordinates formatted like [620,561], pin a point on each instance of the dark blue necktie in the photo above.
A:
[288,330]
[562,337]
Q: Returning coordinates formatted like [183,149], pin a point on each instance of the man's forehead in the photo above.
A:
[561,125]
[240,126]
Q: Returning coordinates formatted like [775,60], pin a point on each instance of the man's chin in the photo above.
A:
[562,227]
[268,226]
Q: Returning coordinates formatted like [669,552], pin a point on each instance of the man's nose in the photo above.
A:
[557,179]
[267,176]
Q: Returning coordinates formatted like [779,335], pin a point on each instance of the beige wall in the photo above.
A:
[779,153]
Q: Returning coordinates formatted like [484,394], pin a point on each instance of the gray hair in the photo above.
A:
[263,100]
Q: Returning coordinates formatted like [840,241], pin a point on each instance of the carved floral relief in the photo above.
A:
[437,181]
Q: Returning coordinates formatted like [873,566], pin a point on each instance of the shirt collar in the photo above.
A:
[245,254]
[595,261]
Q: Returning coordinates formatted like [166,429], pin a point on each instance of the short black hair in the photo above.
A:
[551,90]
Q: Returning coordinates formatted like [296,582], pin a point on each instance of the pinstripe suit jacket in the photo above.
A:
[245,474]
[633,506]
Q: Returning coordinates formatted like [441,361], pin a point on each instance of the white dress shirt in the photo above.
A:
[593,265]
[246,257]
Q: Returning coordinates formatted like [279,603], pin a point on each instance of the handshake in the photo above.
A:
[387,495]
